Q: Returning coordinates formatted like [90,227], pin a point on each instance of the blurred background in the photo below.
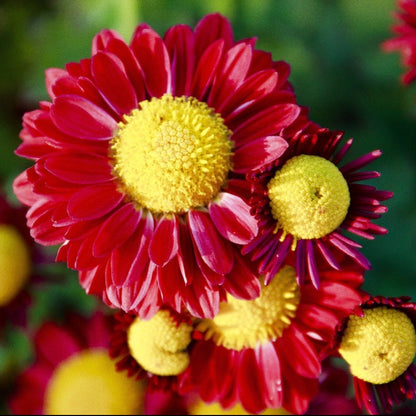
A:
[337,69]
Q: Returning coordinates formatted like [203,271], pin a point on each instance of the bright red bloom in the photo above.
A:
[233,361]
[141,229]
[405,40]
[383,397]
[71,359]
[303,216]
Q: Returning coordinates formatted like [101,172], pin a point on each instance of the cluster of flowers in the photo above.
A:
[216,222]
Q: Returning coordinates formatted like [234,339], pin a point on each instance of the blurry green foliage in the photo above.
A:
[338,71]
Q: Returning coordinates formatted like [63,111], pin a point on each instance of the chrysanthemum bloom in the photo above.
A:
[154,349]
[74,374]
[405,39]
[306,199]
[379,344]
[139,158]
[266,352]
[18,256]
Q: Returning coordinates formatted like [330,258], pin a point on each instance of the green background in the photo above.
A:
[338,70]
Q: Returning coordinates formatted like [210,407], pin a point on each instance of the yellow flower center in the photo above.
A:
[309,197]
[87,383]
[159,344]
[172,154]
[15,263]
[380,346]
[246,323]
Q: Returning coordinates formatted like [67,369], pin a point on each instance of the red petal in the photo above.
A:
[79,168]
[116,230]
[102,39]
[213,249]
[153,57]
[23,189]
[165,241]
[111,79]
[258,153]
[81,118]
[94,201]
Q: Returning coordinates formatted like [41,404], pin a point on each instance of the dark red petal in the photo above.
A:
[231,215]
[180,43]
[258,153]
[94,201]
[111,79]
[79,168]
[81,118]
[165,241]
[116,230]
[213,249]
[153,58]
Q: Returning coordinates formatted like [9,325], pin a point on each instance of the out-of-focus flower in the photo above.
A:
[72,373]
[405,39]
[140,160]
[267,352]
[18,257]
[379,344]
[305,199]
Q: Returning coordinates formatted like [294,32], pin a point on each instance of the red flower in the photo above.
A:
[140,160]
[74,374]
[405,40]
[305,199]
[379,343]
[267,352]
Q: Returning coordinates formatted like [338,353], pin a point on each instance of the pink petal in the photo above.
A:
[180,43]
[258,153]
[213,249]
[231,216]
[153,58]
[51,76]
[79,168]
[94,201]
[116,230]
[111,79]
[165,241]
[23,189]
[81,118]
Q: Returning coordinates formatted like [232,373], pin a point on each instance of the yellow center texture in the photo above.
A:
[15,263]
[172,154]
[309,197]
[380,346]
[159,344]
[245,324]
[87,383]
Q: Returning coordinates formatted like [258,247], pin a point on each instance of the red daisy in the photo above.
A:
[153,349]
[305,199]
[73,373]
[140,159]
[267,352]
[18,257]
[405,40]
[379,344]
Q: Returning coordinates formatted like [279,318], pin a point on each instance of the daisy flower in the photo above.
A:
[139,163]
[379,344]
[306,199]
[405,38]
[18,257]
[72,373]
[154,349]
[267,352]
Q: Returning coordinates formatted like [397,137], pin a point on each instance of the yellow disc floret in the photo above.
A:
[159,344]
[380,346]
[88,383]
[15,263]
[172,154]
[247,323]
[309,197]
